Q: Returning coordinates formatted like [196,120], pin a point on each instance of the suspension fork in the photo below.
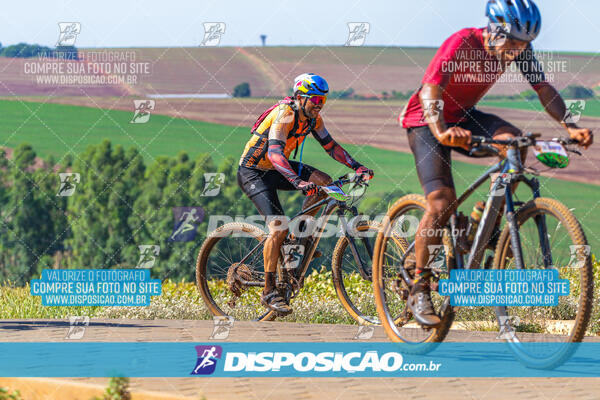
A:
[344,226]
[540,222]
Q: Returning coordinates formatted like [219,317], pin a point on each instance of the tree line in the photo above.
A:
[118,204]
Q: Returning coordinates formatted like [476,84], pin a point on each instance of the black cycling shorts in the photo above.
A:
[262,186]
[433,160]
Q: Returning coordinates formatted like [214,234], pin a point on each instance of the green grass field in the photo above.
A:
[592,106]
[54,129]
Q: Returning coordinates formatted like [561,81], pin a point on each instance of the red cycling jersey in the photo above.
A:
[465,71]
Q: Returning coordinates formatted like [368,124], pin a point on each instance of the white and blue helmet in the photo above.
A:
[520,19]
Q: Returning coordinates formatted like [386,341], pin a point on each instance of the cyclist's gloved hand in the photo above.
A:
[308,188]
[365,172]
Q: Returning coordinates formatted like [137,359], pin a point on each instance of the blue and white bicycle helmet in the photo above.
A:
[520,19]
[311,84]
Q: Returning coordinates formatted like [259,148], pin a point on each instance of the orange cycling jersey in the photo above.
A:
[255,152]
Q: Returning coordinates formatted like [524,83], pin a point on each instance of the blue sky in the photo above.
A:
[567,24]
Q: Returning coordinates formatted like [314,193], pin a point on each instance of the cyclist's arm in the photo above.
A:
[549,97]
[332,147]
[276,146]
[432,92]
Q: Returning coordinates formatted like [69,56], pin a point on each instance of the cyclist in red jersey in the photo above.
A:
[441,116]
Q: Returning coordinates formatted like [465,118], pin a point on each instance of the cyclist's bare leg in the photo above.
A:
[277,233]
[440,205]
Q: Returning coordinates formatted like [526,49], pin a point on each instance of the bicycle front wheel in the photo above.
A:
[551,237]
[352,272]
[390,290]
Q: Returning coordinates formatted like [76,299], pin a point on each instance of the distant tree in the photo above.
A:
[242,90]
[24,50]
[66,52]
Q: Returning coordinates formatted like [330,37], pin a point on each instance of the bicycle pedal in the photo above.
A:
[317,254]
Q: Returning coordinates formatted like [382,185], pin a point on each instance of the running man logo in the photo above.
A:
[141,111]
[77,325]
[148,254]
[222,327]
[187,220]
[68,33]
[357,33]
[212,33]
[207,359]
[498,33]
[432,111]
[68,181]
[212,185]
[507,326]
[574,110]
[292,255]
[579,255]
[437,257]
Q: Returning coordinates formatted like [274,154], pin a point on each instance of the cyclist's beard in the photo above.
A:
[303,106]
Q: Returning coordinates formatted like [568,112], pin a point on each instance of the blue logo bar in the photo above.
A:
[299,360]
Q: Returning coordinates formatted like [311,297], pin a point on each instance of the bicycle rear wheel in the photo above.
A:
[569,252]
[389,288]
[228,287]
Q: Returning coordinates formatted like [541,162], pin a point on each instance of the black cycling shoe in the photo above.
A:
[274,301]
[419,303]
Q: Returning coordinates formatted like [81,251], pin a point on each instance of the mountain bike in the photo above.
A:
[230,266]
[541,233]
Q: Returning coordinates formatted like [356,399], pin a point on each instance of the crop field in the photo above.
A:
[54,129]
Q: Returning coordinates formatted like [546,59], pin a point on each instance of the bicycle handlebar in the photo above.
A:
[527,140]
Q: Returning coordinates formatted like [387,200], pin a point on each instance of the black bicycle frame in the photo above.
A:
[330,206]
[512,167]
